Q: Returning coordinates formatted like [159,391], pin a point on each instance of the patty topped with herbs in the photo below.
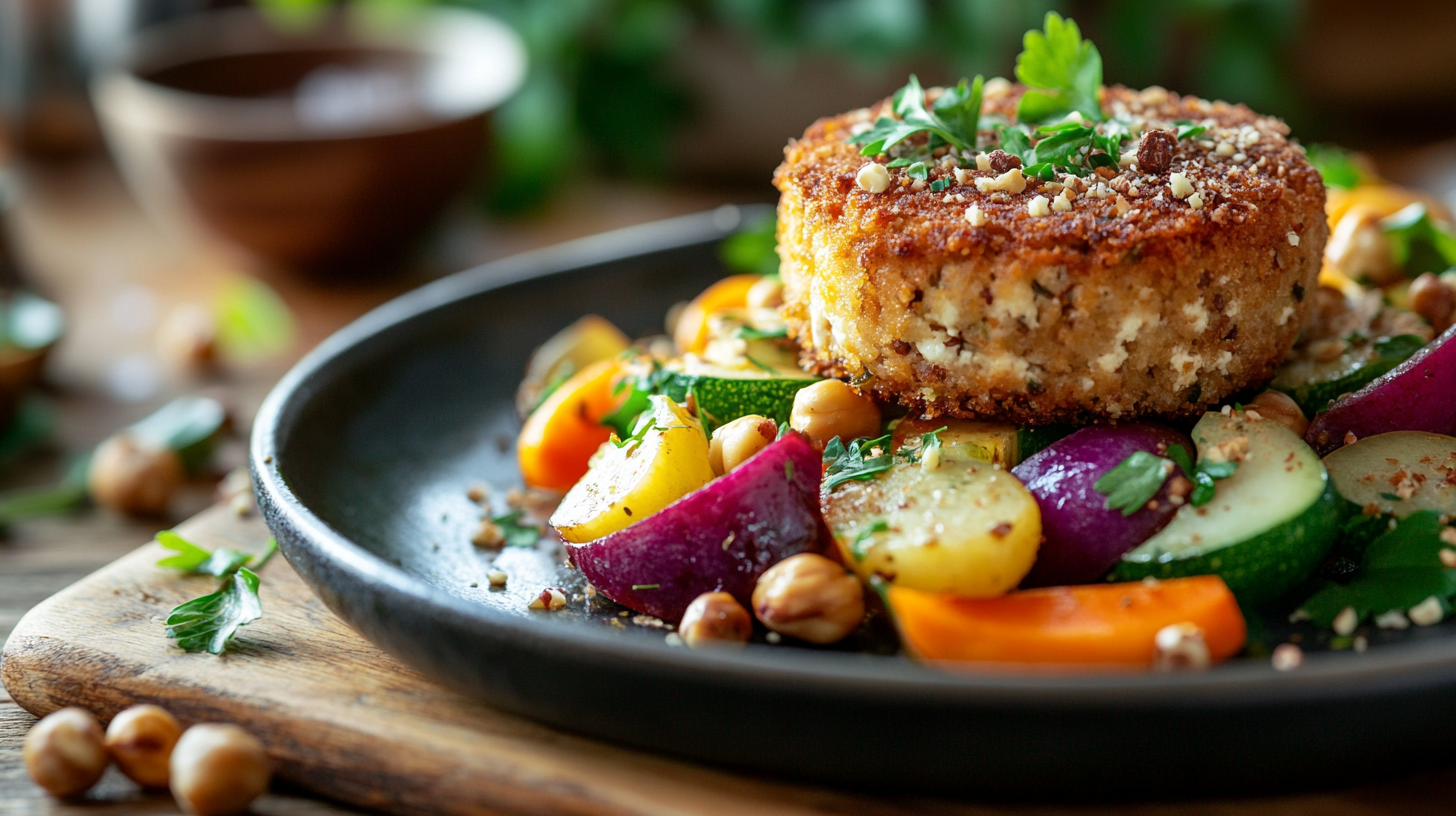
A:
[1070,252]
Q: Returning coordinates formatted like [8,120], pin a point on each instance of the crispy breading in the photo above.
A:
[1135,302]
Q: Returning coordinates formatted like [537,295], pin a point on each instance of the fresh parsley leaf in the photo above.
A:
[952,120]
[928,441]
[1017,142]
[857,547]
[193,559]
[638,388]
[207,624]
[918,170]
[1335,165]
[1187,130]
[1399,570]
[1417,243]
[1203,475]
[1062,71]
[844,464]
[516,533]
[1134,482]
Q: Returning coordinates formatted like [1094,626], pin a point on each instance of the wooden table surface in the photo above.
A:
[86,244]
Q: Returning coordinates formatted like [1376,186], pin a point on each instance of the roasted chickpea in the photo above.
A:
[767,293]
[133,479]
[1432,299]
[65,752]
[715,619]
[809,597]
[733,443]
[830,408]
[218,770]
[140,740]
[1277,406]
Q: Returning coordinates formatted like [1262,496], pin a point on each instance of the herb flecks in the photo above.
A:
[514,532]
[858,547]
[1203,475]
[851,463]
[1134,482]
[953,119]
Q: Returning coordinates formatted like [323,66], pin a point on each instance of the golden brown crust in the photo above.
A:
[1031,318]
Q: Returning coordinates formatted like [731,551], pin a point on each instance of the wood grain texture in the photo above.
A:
[342,719]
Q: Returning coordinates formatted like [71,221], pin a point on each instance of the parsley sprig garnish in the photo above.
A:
[1203,475]
[208,623]
[857,547]
[1417,243]
[517,534]
[850,463]
[1399,570]
[1062,72]
[195,560]
[1134,482]
[952,119]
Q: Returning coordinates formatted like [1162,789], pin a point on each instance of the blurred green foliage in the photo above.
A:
[602,94]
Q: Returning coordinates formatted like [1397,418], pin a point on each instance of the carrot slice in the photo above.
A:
[1097,623]
[691,332]
[560,436]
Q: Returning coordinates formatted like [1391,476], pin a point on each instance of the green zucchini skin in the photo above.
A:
[1263,567]
[721,400]
[1316,395]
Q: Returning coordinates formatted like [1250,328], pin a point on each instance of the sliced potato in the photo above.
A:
[1400,473]
[966,527]
[964,440]
[629,481]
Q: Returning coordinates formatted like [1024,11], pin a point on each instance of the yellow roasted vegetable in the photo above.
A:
[963,527]
[665,459]
[964,440]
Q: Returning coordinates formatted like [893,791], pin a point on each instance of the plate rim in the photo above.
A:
[1324,677]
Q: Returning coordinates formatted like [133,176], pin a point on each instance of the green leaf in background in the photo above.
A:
[47,499]
[208,624]
[32,322]
[753,249]
[1417,243]
[1399,570]
[1335,165]
[191,558]
[253,322]
[516,533]
[188,425]
[1063,70]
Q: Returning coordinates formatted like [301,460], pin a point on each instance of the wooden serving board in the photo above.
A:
[345,720]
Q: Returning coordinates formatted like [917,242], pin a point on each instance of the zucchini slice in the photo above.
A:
[1267,528]
[724,394]
[1399,473]
[1313,384]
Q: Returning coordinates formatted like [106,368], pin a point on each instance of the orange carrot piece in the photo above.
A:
[691,332]
[560,436]
[1092,624]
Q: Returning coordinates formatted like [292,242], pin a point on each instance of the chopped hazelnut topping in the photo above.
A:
[1010,181]
[1001,161]
[1123,207]
[1293,238]
[497,578]
[983,161]
[550,599]
[976,217]
[1180,186]
[1287,657]
[1229,450]
[1180,646]
[1196,201]
[1428,612]
[1038,206]
[1394,619]
[1345,622]
[1062,203]
[489,535]
[873,178]
[1448,536]
[1155,151]
[1447,555]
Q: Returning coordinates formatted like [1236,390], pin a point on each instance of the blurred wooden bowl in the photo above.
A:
[319,151]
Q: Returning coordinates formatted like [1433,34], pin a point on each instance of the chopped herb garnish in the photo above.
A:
[1203,475]
[1062,71]
[193,559]
[953,120]
[762,366]
[517,534]
[1187,130]
[645,425]
[647,586]
[1134,482]
[1390,497]
[1399,570]
[788,470]
[928,441]
[750,333]
[939,184]
[857,547]
[207,624]
[844,464]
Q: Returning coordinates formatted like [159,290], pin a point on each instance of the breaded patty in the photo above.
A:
[1141,298]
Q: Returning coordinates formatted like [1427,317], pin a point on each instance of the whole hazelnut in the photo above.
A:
[218,770]
[132,478]
[809,597]
[65,752]
[140,740]
[715,619]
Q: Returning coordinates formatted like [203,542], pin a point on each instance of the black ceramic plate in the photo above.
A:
[362,457]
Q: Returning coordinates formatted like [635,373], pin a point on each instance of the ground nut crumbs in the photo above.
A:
[650,622]
[489,535]
[1179,647]
[550,599]
[1428,612]
[1196,201]
[1394,619]
[873,178]
[1123,207]
[497,578]
[1345,622]
[1287,657]
[1180,186]
[976,217]
[1230,450]
[1037,207]
[1448,536]
[1293,238]
[1011,182]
